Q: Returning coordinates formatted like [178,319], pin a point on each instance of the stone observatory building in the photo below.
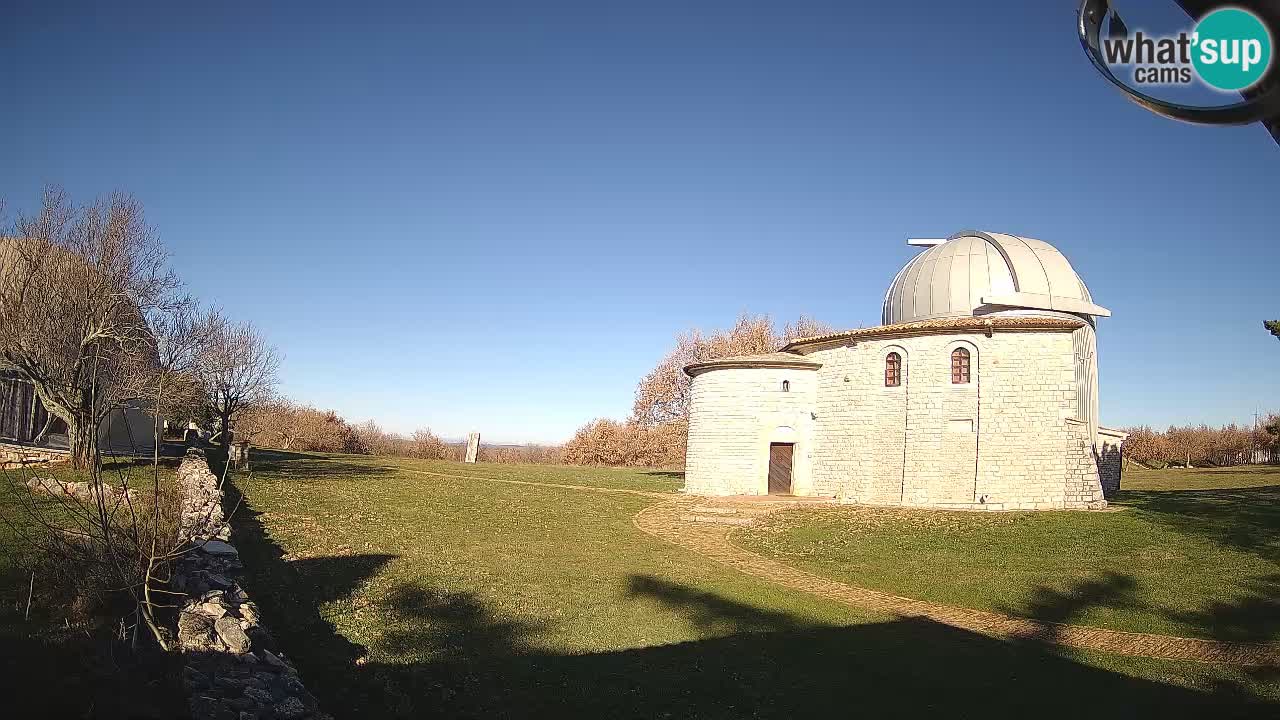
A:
[978,391]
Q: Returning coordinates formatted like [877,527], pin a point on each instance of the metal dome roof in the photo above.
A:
[979,273]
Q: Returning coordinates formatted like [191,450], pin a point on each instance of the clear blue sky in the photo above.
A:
[498,215]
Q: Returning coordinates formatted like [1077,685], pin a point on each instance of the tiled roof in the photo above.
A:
[774,359]
[943,325]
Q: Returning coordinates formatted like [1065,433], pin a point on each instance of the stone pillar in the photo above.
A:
[473,446]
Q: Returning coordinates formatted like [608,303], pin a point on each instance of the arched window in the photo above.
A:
[786,386]
[959,366]
[893,370]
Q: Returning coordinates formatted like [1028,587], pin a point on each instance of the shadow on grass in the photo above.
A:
[1059,607]
[672,474]
[85,673]
[1245,518]
[308,468]
[1253,617]
[709,612]
[461,658]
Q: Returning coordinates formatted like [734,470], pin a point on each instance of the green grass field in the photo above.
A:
[413,589]
[1186,552]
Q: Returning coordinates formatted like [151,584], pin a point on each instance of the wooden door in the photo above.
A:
[780,455]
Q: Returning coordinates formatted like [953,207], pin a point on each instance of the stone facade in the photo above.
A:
[735,414]
[1110,459]
[1020,432]
[1008,439]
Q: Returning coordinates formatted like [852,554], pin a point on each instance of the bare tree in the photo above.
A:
[119,531]
[78,288]
[289,426]
[238,373]
[663,395]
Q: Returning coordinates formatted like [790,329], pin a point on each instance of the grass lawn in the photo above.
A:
[66,656]
[414,589]
[1188,552]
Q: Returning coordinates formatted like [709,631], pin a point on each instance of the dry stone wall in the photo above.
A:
[15,456]
[232,667]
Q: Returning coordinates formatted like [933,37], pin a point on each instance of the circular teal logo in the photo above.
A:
[1232,49]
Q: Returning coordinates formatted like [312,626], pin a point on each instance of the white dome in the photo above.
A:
[979,273]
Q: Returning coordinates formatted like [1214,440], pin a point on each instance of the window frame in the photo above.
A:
[961,366]
[893,369]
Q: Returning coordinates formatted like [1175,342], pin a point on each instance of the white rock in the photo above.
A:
[220,548]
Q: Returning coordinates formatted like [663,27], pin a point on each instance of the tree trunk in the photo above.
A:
[224,437]
[83,442]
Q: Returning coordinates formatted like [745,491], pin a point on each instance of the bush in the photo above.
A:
[1202,445]
[286,425]
[617,444]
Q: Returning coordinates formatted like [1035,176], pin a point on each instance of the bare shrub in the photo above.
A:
[372,439]
[515,454]
[1202,445]
[600,442]
[285,425]
[426,445]
[605,442]
[91,543]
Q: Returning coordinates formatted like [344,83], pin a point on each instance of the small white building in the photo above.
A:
[978,391]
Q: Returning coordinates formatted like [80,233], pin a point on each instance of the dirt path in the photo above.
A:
[676,520]
[671,521]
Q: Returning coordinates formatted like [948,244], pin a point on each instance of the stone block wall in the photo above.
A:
[1002,441]
[1083,488]
[1007,440]
[859,433]
[734,413]
[1030,455]
[1110,459]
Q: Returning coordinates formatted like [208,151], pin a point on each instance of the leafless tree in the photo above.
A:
[287,425]
[79,287]
[238,373]
[119,530]
[663,395]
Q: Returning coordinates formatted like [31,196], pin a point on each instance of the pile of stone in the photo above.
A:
[201,493]
[233,669]
[75,489]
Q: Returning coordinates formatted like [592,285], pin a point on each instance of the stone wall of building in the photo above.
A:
[1083,486]
[734,414]
[1002,441]
[1009,439]
[232,668]
[1110,459]
[859,432]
